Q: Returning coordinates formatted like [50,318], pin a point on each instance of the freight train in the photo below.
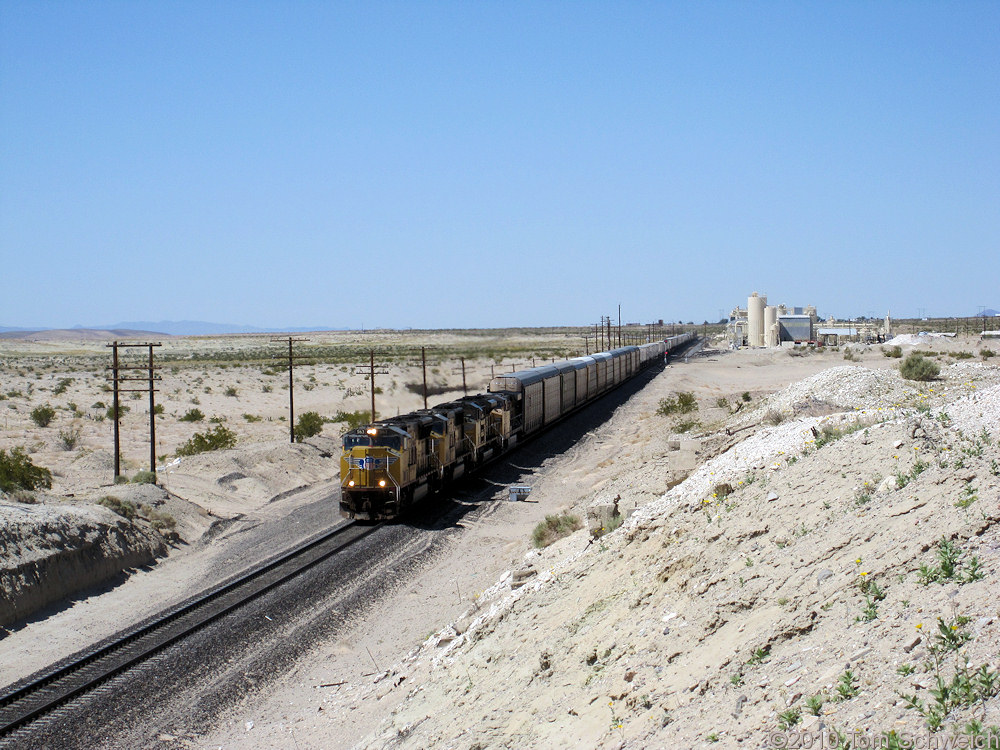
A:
[391,464]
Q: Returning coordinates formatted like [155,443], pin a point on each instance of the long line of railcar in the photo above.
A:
[392,463]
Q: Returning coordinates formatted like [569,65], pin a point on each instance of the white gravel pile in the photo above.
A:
[847,387]
[909,339]
[979,371]
[768,448]
[978,411]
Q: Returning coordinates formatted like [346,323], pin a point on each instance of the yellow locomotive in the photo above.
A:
[395,462]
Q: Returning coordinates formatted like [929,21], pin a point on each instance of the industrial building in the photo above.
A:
[763,325]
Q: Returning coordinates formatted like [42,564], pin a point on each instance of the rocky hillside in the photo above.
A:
[831,564]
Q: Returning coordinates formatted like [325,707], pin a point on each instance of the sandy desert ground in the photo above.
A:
[732,603]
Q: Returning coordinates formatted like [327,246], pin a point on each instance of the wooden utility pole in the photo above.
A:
[149,381]
[114,374]
[423,366]
[370,372]
[291,380]
[152,416]
[465,391]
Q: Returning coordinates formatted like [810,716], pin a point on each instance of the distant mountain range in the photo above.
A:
[202,328]
[168,328]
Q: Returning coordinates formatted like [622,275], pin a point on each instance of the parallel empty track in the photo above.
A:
[85,672]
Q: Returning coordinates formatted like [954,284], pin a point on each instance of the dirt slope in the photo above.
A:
[854,560]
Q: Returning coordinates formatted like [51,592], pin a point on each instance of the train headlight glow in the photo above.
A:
[381,483]
[372,431]
[351,483]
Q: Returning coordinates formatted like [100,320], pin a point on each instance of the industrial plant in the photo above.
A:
[762,325]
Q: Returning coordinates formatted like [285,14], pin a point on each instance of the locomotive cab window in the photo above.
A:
[387,441]
[354,441]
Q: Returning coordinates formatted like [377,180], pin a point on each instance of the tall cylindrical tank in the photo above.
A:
[755,319]
[770,326]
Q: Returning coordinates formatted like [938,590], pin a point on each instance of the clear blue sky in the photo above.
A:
[458,164]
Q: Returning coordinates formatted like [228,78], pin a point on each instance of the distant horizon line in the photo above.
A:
[203,328]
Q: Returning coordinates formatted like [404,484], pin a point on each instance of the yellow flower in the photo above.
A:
[858,561]
[920,625]
[864,573]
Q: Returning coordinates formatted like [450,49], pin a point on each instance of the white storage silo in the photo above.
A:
[770,326]
[755,319]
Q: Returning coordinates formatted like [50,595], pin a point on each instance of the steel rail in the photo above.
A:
[57,687]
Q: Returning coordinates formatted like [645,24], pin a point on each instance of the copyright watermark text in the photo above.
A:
[871,741]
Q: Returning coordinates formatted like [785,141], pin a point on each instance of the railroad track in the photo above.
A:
[85,672]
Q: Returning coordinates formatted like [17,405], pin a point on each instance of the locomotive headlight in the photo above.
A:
[381,483]
[372,431]
[351,483]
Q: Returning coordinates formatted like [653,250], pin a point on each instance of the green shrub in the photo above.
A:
[681,403]
[61,386]
[144,477]
[986,353]
[232,392]
[42,415]
[686,402]
[309,424]
[916,367]
[252,418]
[895,352]
[17,472]
[745,396]
[69,438]
[217,438]
[123,508]
[158,409]
[193,415]
[161,521]
[774,417]
[122,411]
[554,528]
